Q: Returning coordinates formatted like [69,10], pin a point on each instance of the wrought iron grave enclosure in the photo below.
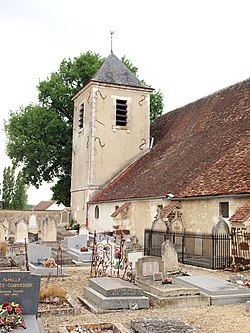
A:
[110,259]
[204,250]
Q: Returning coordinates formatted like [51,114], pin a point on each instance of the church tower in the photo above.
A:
[110,130]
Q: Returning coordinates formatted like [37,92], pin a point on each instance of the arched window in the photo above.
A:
[97,212]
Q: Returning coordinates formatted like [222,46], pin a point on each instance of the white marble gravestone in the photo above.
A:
[33,227]
[49,233]
[21,231]
[169,257]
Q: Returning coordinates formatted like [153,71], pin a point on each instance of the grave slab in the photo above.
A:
[45,271]
[114,303]
[220,291]
[157,325]
[175,294]
[77,255]
[107,293]
[109,287]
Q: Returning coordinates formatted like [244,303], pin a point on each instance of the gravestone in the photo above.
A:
[21,231]
[221,227]
[134,256]
[37,252]
[75,242]
[2,232]
[49,233]
[22,288]
[147,266]
[33,227]
[149,276]
[169,257]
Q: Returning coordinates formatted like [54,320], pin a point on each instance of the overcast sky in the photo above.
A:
[187,48]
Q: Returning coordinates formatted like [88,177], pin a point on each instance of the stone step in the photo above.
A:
[114,303]
[177,301]
[114,287]
[229,299]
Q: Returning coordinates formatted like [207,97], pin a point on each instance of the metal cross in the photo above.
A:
[111,35]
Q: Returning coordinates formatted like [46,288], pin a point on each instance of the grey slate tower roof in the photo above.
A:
[115,72]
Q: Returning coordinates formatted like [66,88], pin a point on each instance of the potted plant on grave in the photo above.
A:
[73,225]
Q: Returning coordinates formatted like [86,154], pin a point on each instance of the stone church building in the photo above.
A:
[185,172]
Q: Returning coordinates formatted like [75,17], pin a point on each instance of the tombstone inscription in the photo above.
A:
[22,288]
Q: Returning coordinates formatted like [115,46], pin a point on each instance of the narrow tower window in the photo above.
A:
[81,114]
[121,112]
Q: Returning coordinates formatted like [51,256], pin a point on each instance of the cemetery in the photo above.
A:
[104,283]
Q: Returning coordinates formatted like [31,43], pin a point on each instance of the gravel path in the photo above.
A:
[207,319]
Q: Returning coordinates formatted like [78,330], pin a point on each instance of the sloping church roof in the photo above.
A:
[113,71]
[242,214]
[200,149]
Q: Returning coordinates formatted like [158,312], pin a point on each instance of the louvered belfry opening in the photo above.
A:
[81,114]
[121,112]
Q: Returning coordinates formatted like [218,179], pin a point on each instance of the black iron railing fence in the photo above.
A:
[204,250]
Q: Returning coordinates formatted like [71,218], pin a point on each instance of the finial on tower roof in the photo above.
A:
[111,35]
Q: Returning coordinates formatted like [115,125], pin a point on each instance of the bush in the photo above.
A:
[52,293]
[3,248]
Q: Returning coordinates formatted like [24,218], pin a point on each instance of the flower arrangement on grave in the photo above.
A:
[84,249]
[166,281]
[49,263]
[10,316]
[118,252]
[247,284]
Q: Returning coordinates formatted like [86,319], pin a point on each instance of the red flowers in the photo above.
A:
[11,316]
[166,281]
[84,249]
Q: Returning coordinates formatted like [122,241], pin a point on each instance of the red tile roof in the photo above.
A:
[241,214]
[120,209]
[200,149]
[165,211]
[43,205]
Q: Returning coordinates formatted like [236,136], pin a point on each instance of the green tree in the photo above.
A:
[14,194]
[19,199]
[39,137]
[8,187]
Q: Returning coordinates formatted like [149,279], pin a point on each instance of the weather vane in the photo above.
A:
[111,35]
